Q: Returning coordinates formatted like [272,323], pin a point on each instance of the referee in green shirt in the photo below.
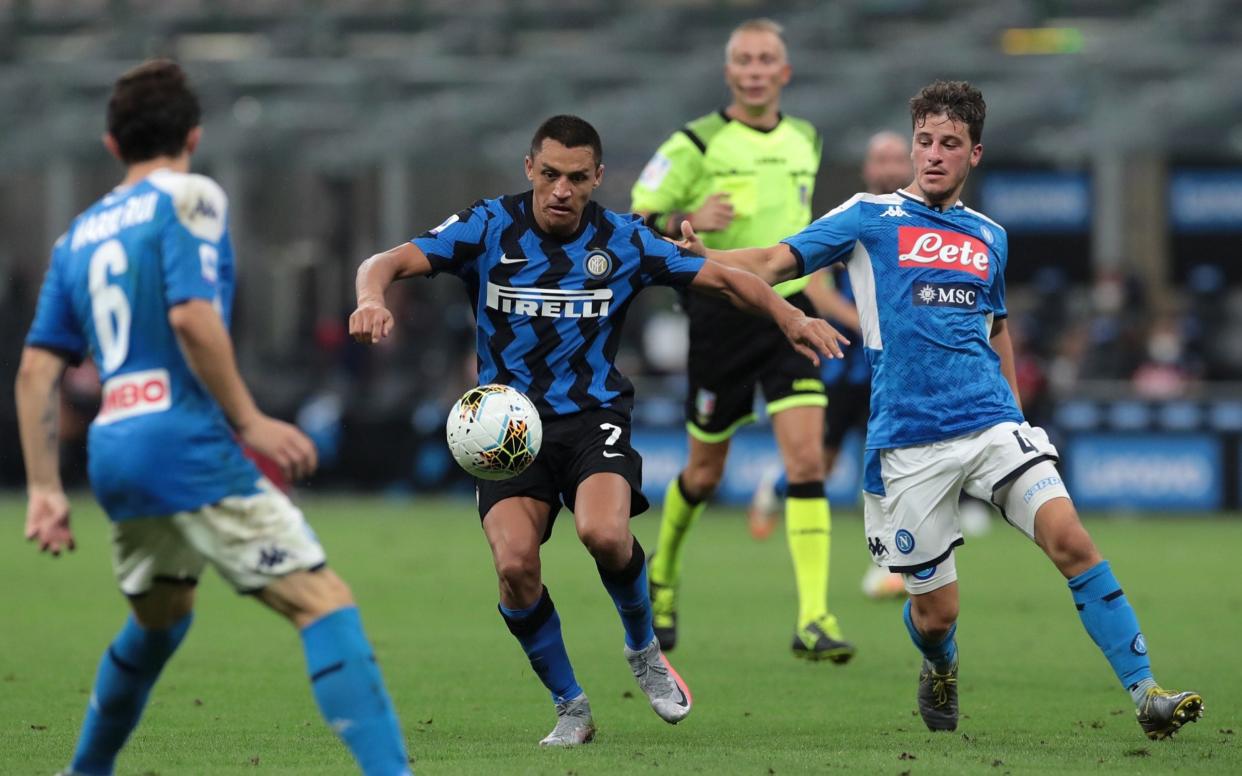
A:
[743,177]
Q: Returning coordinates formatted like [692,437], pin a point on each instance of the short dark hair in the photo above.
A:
[958,100]
[569,131]
[152,110]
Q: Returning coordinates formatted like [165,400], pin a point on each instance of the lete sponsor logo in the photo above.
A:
[939,249]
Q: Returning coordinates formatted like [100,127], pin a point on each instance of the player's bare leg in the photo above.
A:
[602,517]
[684,501]
[931,619]
[1109,620]
[514,528]
[808,528]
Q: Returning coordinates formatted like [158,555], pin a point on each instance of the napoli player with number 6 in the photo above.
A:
[143,282]
[550,275]
[928,276]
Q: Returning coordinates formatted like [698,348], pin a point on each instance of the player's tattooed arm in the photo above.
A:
[773,264]
[372,321]
[809,336]
[1003,345]
[38,418]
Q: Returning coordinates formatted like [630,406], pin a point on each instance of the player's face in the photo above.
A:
[943,156]
[887,166]
[756,68]
[563,180]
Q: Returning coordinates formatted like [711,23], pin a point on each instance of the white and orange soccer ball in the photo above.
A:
[494,432]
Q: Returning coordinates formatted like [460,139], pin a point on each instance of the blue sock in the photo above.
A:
[942,654]
[350,692]
[1111,623]
[126,675]
[781,486]
[628,588]
[538,630]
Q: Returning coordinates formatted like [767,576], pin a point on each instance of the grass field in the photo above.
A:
[1035,693]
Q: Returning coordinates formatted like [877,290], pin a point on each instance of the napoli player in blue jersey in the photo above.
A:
[143,283]
[550,276]
[847,381]
[928,274]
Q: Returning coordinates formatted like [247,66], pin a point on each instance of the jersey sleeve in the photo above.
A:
[996,294]
[663,263]
[457,243]
[667,182]
[193,238]
[828,239]
[55,326]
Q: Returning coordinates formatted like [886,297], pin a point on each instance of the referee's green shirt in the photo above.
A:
[769,177]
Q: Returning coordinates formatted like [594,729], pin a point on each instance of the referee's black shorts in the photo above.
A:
[732,353]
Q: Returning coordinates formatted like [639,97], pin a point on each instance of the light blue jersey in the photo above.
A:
[160,443]
[928,284]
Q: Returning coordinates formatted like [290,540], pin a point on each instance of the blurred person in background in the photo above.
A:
[143,283]
[847,382]
[744,176]
[946,412]
[552,275]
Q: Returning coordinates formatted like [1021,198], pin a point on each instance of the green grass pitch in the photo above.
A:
[1036,695]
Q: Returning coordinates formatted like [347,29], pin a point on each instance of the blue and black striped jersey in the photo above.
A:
[549,309]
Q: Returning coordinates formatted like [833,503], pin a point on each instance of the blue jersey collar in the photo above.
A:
[923,202]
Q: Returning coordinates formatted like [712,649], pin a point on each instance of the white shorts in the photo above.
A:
[912,525]
[251,540]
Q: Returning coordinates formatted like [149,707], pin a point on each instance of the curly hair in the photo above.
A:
[151,111]
[958,100]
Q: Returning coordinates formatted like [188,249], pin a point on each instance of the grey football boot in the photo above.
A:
[1162,713]
[669,696]
[574,724]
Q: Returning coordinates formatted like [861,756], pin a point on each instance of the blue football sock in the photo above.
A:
[942,654]
[1111,623]
[350,692]
[538,630]
[126,675]
[628,588]
[781,486]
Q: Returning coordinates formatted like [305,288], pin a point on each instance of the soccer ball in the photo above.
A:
[494,432]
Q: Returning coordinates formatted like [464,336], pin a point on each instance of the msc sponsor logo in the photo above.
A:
[549,302]
[925,574]
[940,249]
[876,547]
[136,393]
[960,295]
[904,541]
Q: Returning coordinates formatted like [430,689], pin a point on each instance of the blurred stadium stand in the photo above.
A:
[1114,157]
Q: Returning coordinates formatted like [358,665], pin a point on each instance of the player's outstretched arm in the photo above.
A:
[829,302]
[774,264]
[809,336]
[209,352]
[372,321]
[38,420]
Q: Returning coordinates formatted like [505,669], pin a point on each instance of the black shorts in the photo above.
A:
[730,353]
[849,405]
[574,447]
